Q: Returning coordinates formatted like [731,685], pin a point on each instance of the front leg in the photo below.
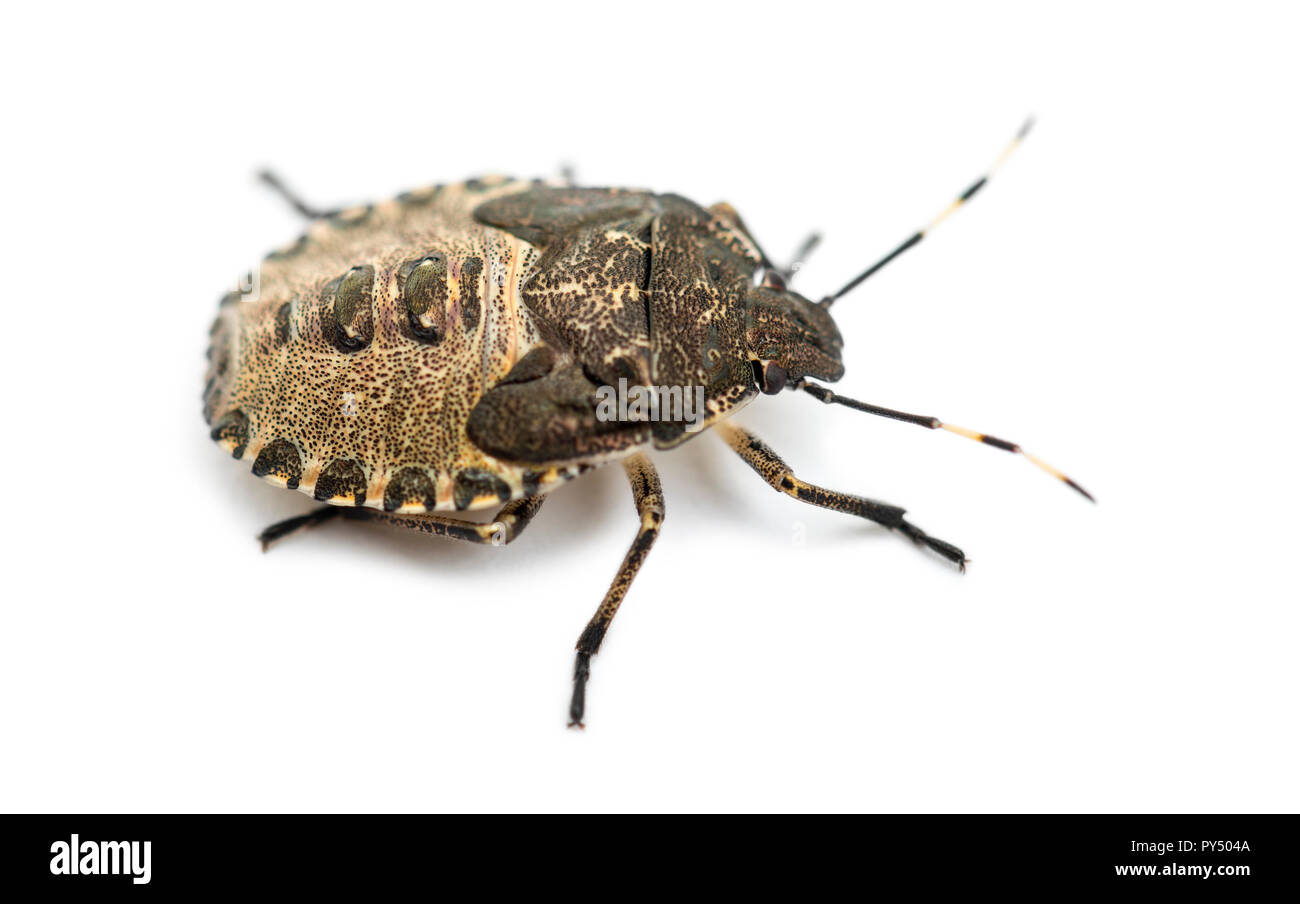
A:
[777,473]
[648,496]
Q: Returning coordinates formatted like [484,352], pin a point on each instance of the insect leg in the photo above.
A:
[649,499]
[777,473]
[290,525]
[278,186]
[508,524]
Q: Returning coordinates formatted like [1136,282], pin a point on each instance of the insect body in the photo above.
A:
[447,351]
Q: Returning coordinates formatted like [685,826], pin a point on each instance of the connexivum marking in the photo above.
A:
[462,347]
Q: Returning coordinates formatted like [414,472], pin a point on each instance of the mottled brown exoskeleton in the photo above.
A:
[449,350]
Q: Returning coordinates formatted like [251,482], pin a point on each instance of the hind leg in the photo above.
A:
[508,524]
[648,496]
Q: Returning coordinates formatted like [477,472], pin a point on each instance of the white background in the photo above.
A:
[1122,300]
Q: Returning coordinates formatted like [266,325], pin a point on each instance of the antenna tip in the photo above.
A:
[1024,129]
[1081,491]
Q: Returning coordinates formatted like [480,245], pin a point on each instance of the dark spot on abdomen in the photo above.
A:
[472,484]
[279,459]
[346,314]
[423,285]
[410,486]
[299,245]
[232,430]
[532,482]
[342,478]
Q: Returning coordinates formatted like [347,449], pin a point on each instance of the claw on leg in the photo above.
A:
[578,704]
[648,496]
[290,525]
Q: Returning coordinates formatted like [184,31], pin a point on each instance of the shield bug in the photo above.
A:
[475,345]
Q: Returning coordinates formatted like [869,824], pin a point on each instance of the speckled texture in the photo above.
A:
[280,379]
[384,360]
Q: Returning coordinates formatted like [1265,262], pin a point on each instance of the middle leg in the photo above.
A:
[649,498]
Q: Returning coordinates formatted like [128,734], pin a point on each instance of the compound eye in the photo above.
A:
[774,378]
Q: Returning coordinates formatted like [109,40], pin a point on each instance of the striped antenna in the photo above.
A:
[915,239]
[933,423]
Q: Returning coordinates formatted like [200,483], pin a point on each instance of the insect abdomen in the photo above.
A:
[350,371]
